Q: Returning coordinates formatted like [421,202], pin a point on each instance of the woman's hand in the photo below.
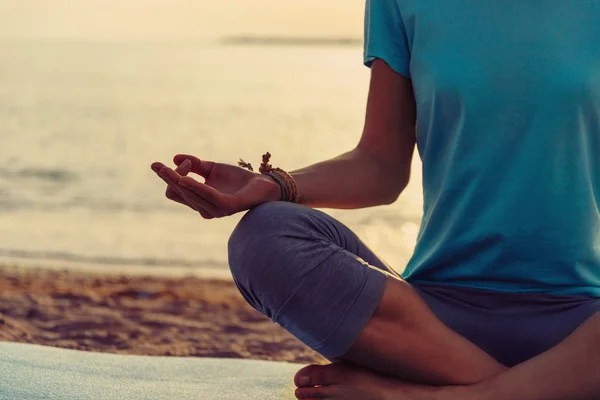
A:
[227,189]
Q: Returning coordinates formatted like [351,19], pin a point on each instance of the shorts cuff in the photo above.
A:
[353,323]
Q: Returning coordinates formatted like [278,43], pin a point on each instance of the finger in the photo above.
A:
[208,193]
[194,200]
[202,168]
[206,215]
[184,168]
[169,175]
[174,179]
[197,201]
[156,166]
[169,180]
[176,193]
[173,195]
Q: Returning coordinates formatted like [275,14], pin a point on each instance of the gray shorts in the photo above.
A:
[313,276]
[511,327]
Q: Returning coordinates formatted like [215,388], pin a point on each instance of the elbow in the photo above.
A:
[389,200]
[390,178]
[394,192]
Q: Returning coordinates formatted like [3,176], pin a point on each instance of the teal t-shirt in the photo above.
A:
[508,131]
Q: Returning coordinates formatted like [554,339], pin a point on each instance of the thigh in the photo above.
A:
[328,229]
[511,327]
[293,226]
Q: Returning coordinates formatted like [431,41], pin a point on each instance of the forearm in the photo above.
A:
[355,179]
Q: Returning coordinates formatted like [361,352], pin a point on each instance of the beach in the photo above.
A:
[94,116]
[105,262]
[142,315]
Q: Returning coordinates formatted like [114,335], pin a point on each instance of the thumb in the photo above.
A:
[184,168]
[200,167]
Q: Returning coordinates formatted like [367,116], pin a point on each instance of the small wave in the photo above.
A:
[290,41]
[12,204]
[114,261]
[46,174]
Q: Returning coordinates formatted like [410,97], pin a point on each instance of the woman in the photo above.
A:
[501,298]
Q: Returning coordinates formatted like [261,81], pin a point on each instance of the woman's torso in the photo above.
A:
[508,117]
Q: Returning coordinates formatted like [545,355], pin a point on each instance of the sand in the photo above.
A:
[140,315]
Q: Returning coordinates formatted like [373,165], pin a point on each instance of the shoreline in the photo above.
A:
[203,272]
[144,315]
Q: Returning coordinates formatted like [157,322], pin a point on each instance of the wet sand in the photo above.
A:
[140,315]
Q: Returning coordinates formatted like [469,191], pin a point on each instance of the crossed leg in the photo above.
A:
[402,344]
[405,339]
[569,371]
[314,277]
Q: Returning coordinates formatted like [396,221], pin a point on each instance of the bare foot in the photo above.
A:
[341,381]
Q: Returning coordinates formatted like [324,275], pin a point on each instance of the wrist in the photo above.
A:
[274,189]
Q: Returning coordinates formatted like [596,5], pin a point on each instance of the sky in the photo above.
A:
[174,19]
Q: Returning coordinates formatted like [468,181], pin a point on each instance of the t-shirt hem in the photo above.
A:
[588,291]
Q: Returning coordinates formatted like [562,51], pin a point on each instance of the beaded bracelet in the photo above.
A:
[285,195]
[289,189]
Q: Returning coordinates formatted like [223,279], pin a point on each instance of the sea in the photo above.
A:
[81,122]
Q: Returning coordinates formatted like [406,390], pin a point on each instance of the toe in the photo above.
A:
[313,393]
[301,376]
[321,375]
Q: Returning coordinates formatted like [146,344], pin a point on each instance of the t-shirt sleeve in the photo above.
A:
[385,36]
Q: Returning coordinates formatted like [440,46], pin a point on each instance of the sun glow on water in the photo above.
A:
[96,90]
[177,19]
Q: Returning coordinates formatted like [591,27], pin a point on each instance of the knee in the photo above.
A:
[259,231]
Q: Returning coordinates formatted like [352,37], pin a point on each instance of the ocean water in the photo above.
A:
[80,123]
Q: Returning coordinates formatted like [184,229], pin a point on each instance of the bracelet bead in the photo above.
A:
[289,189]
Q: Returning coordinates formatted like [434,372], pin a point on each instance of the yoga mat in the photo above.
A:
[40,372]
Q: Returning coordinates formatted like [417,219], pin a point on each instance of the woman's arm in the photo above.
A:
[374,173]
[378,169]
